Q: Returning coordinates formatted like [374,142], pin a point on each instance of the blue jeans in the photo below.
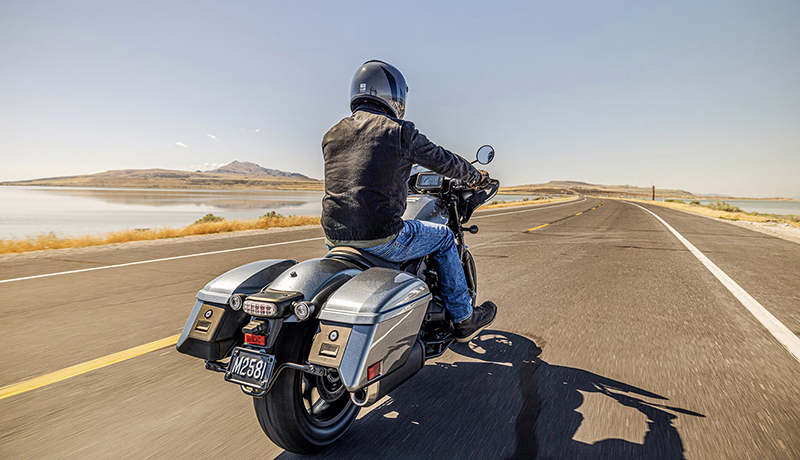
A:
[418,239]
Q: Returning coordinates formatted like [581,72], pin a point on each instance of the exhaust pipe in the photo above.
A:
[374,392]
[359,398]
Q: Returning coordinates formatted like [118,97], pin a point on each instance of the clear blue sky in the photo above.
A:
[703,96]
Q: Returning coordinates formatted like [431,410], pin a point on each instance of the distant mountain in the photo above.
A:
[714,195]
[569,186]
[567,183]
[252,169]
[236,175]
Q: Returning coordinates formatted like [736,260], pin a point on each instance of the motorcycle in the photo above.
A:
[313,342]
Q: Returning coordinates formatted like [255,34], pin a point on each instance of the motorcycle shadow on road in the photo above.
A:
[495,398]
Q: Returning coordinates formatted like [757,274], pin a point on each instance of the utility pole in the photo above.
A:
[654,193]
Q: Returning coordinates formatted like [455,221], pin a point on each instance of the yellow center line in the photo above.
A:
[78,369]
[545,225]
[534,228]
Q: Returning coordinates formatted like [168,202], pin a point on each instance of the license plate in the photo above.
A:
[251,368]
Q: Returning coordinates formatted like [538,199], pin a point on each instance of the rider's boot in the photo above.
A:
[482,316]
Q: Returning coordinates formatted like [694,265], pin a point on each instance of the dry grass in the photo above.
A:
[511,204]
[53,241]
[728,215]
[206,225]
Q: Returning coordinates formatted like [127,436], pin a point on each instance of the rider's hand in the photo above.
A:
[483,180]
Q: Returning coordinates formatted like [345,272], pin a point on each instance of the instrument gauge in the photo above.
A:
[429,181]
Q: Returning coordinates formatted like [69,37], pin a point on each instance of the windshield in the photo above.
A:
[418,169]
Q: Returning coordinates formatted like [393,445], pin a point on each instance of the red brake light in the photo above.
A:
[374,371]
[254,339]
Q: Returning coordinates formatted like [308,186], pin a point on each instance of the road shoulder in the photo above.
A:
[778,230]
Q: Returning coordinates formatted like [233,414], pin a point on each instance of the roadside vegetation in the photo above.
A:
[526,201]
[208,218]
[208,224]
[723,210]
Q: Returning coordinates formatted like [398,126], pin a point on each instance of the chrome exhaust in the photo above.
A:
[359,398]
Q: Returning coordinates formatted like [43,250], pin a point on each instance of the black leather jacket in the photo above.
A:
[368,158]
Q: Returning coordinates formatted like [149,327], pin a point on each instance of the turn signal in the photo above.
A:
[303,310]
[256,308]
[235,302]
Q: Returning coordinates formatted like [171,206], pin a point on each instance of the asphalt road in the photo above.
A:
[612,341]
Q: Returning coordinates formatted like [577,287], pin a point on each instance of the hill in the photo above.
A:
[251,169]
[247,175]
[236,175]
[584,188]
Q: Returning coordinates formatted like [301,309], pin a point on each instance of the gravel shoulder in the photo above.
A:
[783,231]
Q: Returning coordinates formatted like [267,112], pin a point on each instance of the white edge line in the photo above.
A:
[158,260]
[528,210]
[573,200]
[141,262]
[773,325]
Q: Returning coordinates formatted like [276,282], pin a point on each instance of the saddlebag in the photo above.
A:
[369,326]
[214,328]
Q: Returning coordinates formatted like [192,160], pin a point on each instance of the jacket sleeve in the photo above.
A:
[436,158]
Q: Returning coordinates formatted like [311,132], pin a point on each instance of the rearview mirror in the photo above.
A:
[485,155]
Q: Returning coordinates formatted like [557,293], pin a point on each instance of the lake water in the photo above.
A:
[763,206]
[70,211]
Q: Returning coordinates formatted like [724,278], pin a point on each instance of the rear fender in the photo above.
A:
[315,279]
[311,277]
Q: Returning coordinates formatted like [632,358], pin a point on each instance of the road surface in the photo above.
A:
[613,340]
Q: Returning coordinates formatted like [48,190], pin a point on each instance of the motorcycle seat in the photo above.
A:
[360,257]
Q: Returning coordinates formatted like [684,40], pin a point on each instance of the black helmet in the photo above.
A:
[380,82]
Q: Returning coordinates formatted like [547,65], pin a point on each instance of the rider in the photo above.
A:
[368,159]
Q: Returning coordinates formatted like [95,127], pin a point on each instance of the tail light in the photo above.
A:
[258,308]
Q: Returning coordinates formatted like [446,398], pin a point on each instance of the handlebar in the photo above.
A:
[477,194]
[492,186]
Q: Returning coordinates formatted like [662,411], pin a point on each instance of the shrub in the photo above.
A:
[695,202]
[272,215]
[672,200]
[720,205]
[208,218]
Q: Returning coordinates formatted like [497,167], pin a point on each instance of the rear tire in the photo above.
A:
[294,414]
